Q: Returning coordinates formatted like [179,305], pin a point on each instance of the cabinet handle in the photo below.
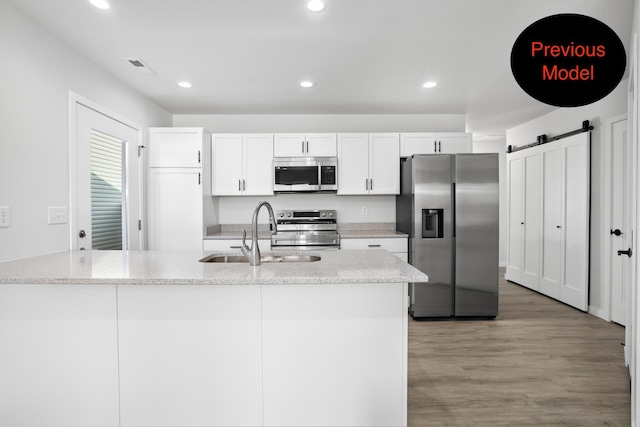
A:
[244,185]
[557,226]
[435,150]
[234,247]
[198,156]
[617,232]
[199,179]
[439,146]
[371,184]
[302,146]
[239,185]
[366,184]
[307,146]
[375,246]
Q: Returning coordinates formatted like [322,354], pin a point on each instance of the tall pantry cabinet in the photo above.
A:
[179,188]
[548,219]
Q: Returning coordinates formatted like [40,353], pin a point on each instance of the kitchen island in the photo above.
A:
[160,339]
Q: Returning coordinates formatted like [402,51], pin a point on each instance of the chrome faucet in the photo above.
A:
[253,253]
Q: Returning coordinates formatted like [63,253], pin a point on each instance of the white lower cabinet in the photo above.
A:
[334,355]
[396,245]
[176,212]
[203,355]
[58,356]
[190,355]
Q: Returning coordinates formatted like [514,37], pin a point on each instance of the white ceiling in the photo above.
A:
[367,56]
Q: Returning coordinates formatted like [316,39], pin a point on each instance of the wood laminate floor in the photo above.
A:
[539,363]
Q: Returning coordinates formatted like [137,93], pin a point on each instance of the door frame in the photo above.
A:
[605,312]
[75,100]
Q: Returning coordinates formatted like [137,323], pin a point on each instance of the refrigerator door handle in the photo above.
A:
[453,208]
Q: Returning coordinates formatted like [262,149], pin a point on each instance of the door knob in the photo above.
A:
[617,232]
[628,253]
[82,234]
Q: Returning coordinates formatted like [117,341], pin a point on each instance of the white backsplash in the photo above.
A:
[238,210]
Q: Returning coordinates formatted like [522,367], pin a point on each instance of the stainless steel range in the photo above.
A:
[306,229]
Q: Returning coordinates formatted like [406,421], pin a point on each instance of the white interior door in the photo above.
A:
[515,188]
[531,215]
[90,126]
[552,236]
[620,217]
[574,288]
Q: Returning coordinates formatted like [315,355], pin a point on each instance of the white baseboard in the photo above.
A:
[598,312]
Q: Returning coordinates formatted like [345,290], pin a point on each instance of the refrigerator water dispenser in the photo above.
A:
[432,223]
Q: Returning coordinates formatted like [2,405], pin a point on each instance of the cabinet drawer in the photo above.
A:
[232,244]
[392,244]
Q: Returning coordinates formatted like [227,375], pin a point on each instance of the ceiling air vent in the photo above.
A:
[139,65]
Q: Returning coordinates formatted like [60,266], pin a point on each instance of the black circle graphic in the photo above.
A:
[568,60]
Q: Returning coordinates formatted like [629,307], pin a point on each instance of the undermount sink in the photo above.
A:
[263,258]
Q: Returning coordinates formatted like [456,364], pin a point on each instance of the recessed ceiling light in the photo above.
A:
[185,85]
[306,83]
[430,84]
[100,4]
[316,5]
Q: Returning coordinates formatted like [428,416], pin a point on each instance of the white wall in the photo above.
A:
[37,73]
[498,147]
[238,210]
[564,120]
[303,123]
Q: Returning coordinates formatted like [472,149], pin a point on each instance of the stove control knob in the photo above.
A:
[288,214]
[323,214]
[331,214]
[281,214]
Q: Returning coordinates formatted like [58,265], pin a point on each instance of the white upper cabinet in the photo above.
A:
[176,147]
[368,163]
[304,145]
[434,143]
[242,164]
[353,163]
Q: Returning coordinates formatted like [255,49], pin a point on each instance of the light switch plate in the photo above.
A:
[5,216]
[57,215]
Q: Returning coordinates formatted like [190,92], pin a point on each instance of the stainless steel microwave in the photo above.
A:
[305,174]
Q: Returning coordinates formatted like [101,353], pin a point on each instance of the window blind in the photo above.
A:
[107,180]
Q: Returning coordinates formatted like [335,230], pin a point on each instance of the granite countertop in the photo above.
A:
[346,231]
[183,267]
[370,234]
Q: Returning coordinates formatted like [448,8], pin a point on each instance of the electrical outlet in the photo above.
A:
[5,216]
[364,210]
[57,215]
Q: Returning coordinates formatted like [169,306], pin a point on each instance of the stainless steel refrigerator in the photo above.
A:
[448,204]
